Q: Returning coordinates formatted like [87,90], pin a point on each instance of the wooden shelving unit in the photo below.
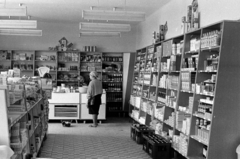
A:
[197,92]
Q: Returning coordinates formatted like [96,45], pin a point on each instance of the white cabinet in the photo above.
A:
[60,111]
[72,106]
[65,98]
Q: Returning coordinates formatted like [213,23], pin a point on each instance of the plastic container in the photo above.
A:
[156,146]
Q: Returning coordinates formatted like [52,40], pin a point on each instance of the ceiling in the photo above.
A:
[70,11]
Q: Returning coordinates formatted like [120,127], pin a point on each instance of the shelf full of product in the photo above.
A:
[24,112]
[196,95]
[72,68]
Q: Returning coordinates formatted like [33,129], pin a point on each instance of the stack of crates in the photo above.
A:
[156,146]
[137,131]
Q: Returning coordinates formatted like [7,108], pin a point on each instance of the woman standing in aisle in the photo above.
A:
[94,94]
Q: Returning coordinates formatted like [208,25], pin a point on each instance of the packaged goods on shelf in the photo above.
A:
[152,96]
[190,104]
[145,94]
[159,113]
[180,143]
[142,120]
[207,100]
[24,137]
[3,79]
[172,66]
[172,82]
[159,50]
[203,135]
[188,78]
[164,67]
[162,81]
[5,55]
[190,63]
[162,97]
[204,110]
[147,82]
[170,120]
[158,128]
[144,106]
[154,67]
[15,133]
[211,63]
[153,124]
[171,101]
[186,125]
[174,49]
[211,39]
[194,44]
[147,76]
[177,48]
[132,100]
[15,96]
[184,109]
[135,114]
[149,109]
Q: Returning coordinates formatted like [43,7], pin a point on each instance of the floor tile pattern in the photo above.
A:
[110,140]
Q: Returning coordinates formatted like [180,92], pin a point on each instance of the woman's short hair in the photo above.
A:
[94,74]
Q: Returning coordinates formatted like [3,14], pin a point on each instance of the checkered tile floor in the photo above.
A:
[110,140]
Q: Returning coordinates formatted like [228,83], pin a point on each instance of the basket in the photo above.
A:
[82,89]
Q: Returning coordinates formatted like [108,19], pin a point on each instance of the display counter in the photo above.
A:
[73,106]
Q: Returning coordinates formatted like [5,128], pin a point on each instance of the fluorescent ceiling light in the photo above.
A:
[18,24]
[113,15]
[100,34]
[21,32]
[105,27]
[21,11]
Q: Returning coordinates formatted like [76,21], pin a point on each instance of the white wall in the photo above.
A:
[210,11]
[52,32]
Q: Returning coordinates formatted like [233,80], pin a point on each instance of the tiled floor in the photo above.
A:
[110,140]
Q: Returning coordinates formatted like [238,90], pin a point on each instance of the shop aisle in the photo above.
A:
[110,140]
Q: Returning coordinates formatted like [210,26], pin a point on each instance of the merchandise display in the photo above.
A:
[71,68]
[24,105]
[112,78]
[196,95]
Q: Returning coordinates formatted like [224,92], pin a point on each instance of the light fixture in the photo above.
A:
[100,34]
[113,15]
[18,24]
[105,27]
[21,11]
[22,32]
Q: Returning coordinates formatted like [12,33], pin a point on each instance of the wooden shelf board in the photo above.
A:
[200,116]
[199,140]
